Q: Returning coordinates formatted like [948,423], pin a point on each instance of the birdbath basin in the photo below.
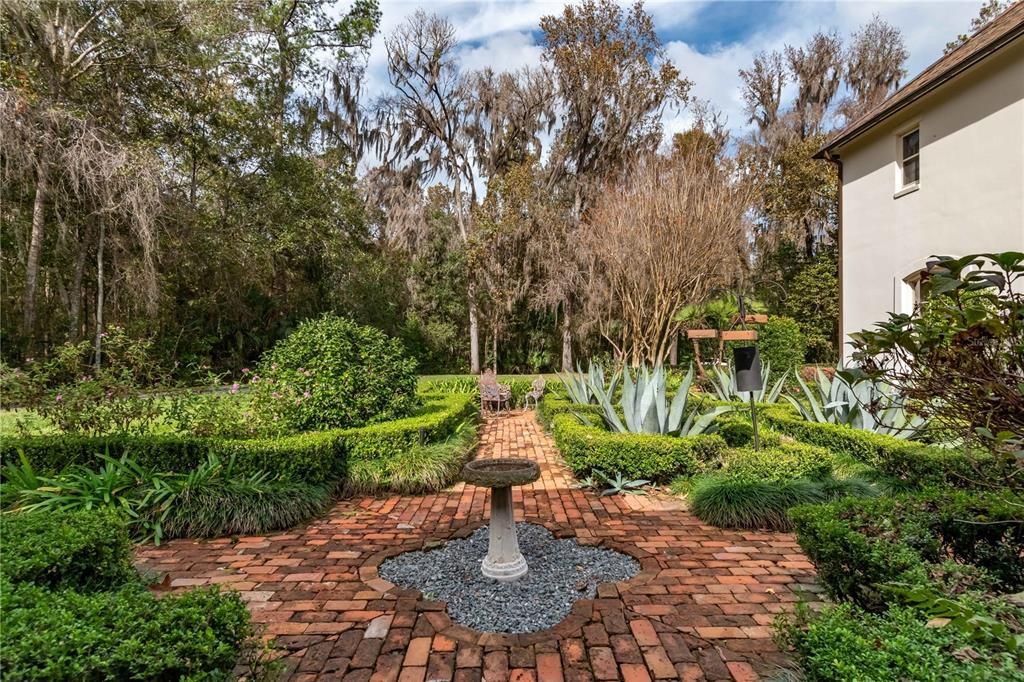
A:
[504,561]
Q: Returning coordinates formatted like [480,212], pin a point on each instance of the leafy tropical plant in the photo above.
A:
[645,407]
[724,385]
[861,404]
[589,388]
[958,356]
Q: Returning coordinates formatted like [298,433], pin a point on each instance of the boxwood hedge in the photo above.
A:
[858,544]
[82,550]
[313,457]
[637,456]
[73,608]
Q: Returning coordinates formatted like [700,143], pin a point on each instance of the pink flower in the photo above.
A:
[245,370]
[234,388]
[275,395]
[59,397]
[306,394]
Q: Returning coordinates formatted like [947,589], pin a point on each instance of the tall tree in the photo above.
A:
[614,83]
[875,62]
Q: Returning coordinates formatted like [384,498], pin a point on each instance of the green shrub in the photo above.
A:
[845,643]
[332,373]
[784,461]
[122,635]
[551,406]
[857,545]
[87,550]
[913,465]
[781,343]
[315,457]
[634,455]
[417,470]
[434,423]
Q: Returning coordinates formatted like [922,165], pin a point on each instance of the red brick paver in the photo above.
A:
[700,609]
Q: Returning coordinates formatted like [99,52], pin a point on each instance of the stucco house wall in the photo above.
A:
[970,196]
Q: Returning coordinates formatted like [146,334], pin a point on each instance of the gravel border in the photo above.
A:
[561,572]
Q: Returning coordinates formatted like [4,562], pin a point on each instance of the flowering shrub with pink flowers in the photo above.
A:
[76,396]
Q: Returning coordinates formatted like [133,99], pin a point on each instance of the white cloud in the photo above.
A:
[498,34]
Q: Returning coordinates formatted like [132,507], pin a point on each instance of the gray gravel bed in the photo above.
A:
[561,571]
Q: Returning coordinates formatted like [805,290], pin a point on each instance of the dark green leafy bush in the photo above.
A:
[86,550]
[784,461]
[333,373]
[125,634]
[635,455]
[857,545]
[781,343]
[845,643]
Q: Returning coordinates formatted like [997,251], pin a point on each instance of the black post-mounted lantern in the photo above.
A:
[747,362]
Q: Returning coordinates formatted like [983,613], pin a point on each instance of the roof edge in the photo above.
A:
[850,134]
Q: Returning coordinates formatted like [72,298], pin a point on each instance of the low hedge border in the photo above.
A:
[857,544]
[314,457]
[82,550]
[638,456]
[73,608]
[915,465]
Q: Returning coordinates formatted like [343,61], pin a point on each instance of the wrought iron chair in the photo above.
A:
[494,396]
[537,393]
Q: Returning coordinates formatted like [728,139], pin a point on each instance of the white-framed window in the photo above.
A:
[910,159]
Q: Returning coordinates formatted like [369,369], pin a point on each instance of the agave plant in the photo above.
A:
[645,407]
[589,388]
[724,384]
[863,404]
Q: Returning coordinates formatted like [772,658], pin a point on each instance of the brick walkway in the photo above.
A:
[701,608]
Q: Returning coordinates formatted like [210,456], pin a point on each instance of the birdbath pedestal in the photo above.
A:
[504,561]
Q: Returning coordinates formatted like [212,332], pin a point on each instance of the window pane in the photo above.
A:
[911,144]
[911,170]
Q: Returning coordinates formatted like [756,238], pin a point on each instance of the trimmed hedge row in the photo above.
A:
[314,457]
[915,465]
[552,406]
[858,544]
[81,550]
[74,609]
[778,462]
[637,456]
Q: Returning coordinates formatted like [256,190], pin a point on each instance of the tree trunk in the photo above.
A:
[494,349]
[99,298]
[566,339]
[35,248]
[75,297]
[673,354]
[474,333]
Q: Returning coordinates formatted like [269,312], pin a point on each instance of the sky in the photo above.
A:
[708,40]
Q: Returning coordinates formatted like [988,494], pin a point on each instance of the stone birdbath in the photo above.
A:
[504,561]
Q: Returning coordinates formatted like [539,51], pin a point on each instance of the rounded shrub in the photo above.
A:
[781,344]
[333,373]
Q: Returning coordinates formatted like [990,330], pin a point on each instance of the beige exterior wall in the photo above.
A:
[970,197]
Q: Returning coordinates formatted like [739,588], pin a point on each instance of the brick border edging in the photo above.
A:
[579,615]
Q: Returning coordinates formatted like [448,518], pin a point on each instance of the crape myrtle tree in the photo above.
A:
[668,234]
